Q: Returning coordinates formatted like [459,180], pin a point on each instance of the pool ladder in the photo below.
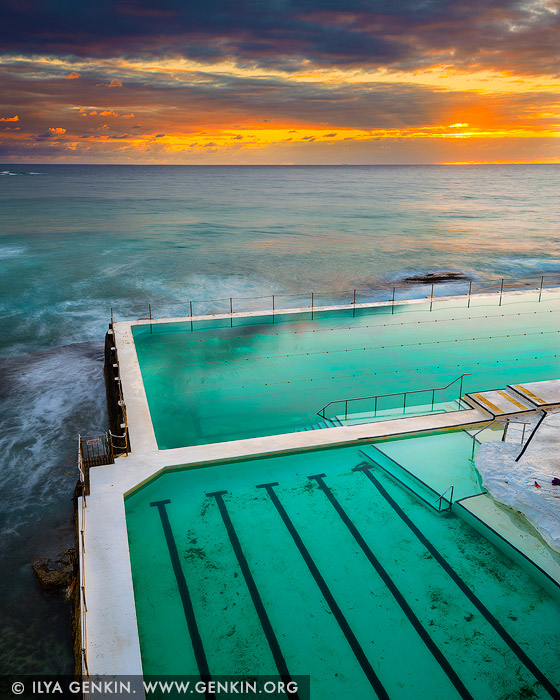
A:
[442,503]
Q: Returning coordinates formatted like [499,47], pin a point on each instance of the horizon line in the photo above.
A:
[292,165]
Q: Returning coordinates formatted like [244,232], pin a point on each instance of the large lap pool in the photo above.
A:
[225,379]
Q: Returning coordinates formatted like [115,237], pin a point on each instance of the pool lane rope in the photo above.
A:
[368,374]
[342,350]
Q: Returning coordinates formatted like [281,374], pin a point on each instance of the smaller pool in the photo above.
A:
[320,564]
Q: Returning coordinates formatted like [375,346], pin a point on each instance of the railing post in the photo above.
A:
[501,291]
[404,403]
[346,410]
[393,302]
[150,311]
[375,407]
[354,297]
[461,389]
[312,296]
[531,436]
[231,305]
[470,289]
[433,398]
[432,297]
[190,305]
[540,292]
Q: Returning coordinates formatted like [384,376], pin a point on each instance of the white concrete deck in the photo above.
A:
[518,398]
[112,635]
[499,403]
[539,394]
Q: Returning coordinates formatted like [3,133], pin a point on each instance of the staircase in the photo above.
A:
[318,426]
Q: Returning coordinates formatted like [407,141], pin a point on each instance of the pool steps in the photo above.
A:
[519,400]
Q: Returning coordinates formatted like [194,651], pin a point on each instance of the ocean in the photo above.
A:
[76,241]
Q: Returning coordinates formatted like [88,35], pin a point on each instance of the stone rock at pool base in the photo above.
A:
[55,574]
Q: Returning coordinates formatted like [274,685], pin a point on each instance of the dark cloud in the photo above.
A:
[284,33]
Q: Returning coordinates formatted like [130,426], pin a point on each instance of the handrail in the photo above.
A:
[531,436]
[506,421]
[414,478]
[321,412]
[450,488]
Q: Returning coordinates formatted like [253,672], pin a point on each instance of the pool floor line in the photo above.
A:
[327,595]
[473,598]
[396,593]
[196,640]
[268,630]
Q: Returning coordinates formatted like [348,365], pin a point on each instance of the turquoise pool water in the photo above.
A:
[220,380]
[346,577]
[441,461]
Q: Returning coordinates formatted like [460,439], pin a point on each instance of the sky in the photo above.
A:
[280,81]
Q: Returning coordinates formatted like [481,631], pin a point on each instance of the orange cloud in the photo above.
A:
[56,130]
[72,76]
[112,84]
[9,119]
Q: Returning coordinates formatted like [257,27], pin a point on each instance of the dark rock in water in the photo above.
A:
[435,278]
[56,574]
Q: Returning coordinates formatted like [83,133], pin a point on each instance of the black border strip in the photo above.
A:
[255,595]
[196,640]
[396,593]
[507,638]
[327,595]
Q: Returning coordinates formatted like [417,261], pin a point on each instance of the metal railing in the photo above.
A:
[96,450]
[543,415]
[506,424]
[440,497]
[384,294]
[122,406]
[376,399]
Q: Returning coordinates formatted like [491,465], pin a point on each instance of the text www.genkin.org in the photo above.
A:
[291,688]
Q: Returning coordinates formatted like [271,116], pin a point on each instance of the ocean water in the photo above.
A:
[78,240]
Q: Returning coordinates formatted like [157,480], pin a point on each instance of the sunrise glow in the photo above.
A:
[321,87]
